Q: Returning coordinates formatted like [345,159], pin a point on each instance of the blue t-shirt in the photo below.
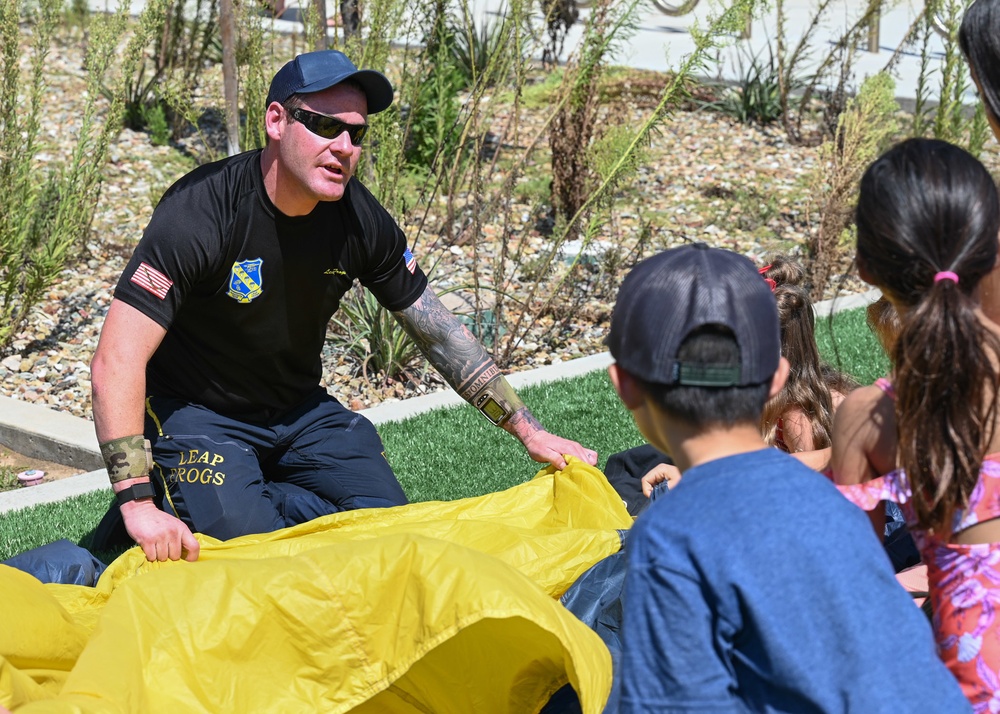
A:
[755,586]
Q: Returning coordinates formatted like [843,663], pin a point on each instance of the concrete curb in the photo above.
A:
[44,433]
[404,409]
[55,436]
[847,302]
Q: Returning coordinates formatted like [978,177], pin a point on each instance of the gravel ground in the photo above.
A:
[707,178]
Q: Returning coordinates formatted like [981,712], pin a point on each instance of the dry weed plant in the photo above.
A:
[863,132]
[797,91]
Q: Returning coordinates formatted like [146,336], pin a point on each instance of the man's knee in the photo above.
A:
[396,497]
[227,523]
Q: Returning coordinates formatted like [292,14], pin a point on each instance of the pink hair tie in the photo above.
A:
[946,275]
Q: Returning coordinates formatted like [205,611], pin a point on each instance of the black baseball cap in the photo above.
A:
[316,71]
[666,297]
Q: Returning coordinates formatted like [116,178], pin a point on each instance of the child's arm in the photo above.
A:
[864,442]
[864,436]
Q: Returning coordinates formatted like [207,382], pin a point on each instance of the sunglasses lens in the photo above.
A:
[330,128]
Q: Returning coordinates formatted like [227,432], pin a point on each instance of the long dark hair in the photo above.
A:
[806,387]
[925,207]
[884,323]
[979,36]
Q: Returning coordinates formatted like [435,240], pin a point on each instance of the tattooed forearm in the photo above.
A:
[448,344]
[467,367]
[463,362]
[475,384]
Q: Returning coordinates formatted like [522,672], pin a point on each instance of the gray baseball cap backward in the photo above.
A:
[666,297]
[316,71]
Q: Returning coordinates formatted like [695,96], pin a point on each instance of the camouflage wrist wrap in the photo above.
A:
[127,457]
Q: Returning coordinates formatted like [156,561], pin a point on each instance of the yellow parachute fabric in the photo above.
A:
[431,607]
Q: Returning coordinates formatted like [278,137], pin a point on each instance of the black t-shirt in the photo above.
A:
[245,292]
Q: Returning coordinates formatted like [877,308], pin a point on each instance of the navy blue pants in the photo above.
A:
[227,478]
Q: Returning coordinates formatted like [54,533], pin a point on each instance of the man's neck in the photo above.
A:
[276,186]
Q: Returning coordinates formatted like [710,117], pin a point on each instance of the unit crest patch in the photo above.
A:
[245,280]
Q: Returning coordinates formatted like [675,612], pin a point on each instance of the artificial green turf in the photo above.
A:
[848,344]
[455,453]
[73,519]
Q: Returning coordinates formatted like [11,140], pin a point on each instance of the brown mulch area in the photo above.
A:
[12,463]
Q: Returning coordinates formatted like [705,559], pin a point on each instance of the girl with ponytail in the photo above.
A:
[928,218]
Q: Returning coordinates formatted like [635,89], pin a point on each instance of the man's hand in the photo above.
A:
[546,447]
[160,535]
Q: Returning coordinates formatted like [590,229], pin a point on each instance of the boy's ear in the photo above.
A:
[627,387]
[779,378]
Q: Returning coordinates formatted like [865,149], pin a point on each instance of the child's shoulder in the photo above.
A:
[796,430]
[767,470]
[742,491]
[865,402]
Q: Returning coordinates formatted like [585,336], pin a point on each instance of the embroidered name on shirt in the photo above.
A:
[151,280]
[246,281]
[334,271]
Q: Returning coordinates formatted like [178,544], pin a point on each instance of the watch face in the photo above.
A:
[493,411]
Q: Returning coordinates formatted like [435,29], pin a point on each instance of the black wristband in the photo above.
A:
[143,489]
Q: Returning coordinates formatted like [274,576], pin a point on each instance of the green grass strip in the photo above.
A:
[454,453]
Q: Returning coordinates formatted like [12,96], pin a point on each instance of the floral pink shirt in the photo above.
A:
[964,581]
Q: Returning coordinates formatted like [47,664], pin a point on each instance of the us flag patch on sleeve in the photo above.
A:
[411,262]
[151,280]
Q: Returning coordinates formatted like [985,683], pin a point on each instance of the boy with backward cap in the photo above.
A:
[731,605]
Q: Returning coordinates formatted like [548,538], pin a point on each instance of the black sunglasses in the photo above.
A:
[328,127]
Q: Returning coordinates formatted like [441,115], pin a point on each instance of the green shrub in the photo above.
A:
[863,132]
[8,478]
[473,48]
[46,210]
[182,38]
[433,118]
[950,119]
[155,120]
[374,337]
[756,99]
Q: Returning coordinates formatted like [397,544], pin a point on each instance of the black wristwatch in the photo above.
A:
[143,489]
